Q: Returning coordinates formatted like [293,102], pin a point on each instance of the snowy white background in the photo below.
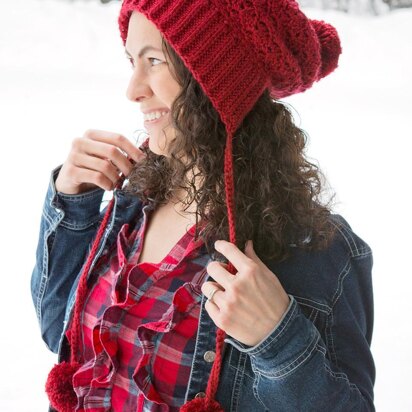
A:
[62,71]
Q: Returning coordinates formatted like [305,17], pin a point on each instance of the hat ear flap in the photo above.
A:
[330,47]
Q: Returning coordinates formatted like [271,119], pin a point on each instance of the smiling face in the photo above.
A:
[152,83]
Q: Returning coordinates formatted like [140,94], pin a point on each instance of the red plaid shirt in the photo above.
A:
[139,325]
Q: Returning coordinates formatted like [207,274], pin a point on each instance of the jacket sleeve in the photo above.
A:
[295,370]
[67,225]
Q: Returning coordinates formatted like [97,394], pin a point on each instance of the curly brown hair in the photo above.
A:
[277,190]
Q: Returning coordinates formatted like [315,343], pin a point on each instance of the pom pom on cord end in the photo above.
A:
[59,387]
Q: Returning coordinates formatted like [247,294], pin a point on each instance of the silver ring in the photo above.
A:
[210,298]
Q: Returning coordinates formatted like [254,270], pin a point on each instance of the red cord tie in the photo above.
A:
[59,385]
[208,403]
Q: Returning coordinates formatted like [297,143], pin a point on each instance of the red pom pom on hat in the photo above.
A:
[330,46]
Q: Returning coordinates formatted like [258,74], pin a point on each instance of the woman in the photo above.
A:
[217,279]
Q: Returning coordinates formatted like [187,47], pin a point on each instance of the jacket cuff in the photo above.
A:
[78,211]
[294,332]
[246,348]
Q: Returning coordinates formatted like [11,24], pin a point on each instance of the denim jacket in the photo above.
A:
[317,358]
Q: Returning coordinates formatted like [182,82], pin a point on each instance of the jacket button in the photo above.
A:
[200,395]
[209,356]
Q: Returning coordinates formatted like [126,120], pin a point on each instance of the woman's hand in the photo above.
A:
[247,305]
[96,161]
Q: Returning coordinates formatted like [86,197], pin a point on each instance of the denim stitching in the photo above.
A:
[340,375]
[339,287]
[329,338]
[327,310]
[348,239]
[43,281]
[50,220]
[333,351]
[45,264]
[197,362]
[233,398]
[339,290]
[321,348]
[356,250]
[292,366]
[237,384]
[232,362]
[311,314]
[255,390]
[79,197]
[315,317]
[74,226]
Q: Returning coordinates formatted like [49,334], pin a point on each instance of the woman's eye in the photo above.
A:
[154,58]
[149,58]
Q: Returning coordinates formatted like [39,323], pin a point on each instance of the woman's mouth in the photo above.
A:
[154,117]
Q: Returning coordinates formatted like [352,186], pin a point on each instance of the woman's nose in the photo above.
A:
[138,87]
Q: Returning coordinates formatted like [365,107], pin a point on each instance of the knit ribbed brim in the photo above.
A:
[210,51]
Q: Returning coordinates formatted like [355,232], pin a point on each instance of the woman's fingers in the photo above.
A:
[218,271]
[87,177]
[98,150]
[213,292]
[96,159]
[105,167]
[233,254]
[115,139]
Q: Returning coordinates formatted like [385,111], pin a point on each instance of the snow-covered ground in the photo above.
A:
[62,71]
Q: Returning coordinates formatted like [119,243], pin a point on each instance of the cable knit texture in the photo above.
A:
[235,49]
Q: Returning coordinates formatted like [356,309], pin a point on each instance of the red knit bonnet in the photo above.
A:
[235,49]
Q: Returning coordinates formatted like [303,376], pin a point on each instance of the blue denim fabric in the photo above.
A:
[318,356]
